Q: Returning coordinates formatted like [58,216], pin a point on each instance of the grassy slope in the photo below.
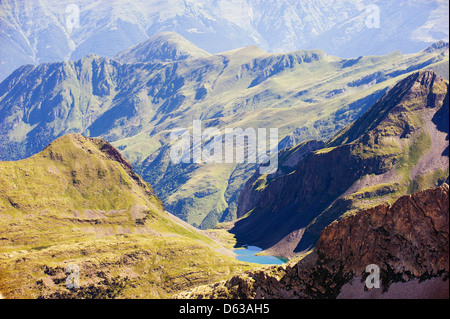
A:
[73,204]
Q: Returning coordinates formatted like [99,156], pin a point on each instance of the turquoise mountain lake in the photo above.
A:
[247,254]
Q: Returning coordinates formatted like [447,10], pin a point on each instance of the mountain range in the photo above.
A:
[136,99]
[355,95]
[33,32]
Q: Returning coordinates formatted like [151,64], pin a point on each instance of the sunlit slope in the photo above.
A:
[79,202]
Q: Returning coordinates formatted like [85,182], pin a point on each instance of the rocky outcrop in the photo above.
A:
[408,241]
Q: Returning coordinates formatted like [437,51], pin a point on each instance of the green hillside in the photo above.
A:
[78,202]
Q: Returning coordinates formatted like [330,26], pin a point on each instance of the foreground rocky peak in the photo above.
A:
[408,241]
[90,145]
[408,238]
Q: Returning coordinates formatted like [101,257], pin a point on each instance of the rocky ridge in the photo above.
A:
[398,146]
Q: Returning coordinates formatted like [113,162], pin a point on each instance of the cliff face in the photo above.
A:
[408,241]
[399,146]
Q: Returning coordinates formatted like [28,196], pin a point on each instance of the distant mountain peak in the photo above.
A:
[439,45]
[162,47]
[217,26]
